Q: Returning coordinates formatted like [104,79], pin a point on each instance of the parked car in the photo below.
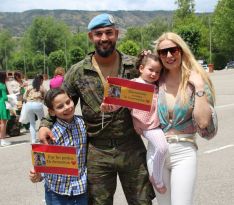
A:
[230,65]
[206,68]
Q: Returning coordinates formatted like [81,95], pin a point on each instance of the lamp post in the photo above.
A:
[210,40]
[44,57]
[6,67]
[65,47]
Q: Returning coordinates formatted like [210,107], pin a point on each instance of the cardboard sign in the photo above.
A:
[127,93]
[55,159]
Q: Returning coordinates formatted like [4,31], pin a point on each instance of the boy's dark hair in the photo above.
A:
[51,94]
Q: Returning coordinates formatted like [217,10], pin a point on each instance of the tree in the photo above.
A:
[185,9]
[146,35]
[223,32]
[47,35]
[39,63]
[81,40]
[76,55]
[6,46]
[129,47]
[56,59]
[192,36]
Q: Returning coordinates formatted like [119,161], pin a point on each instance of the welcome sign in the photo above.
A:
[55,159]
[127,93]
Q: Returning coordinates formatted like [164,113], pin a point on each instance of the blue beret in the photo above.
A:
[101,20]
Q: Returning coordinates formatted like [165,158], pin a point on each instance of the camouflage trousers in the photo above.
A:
[128,161]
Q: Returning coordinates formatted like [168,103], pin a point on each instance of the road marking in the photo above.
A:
[218,149]
[222,106]
[14,145]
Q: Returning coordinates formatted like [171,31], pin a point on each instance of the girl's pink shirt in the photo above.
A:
[56,81]
[143,120]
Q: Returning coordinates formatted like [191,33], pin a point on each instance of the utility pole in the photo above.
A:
[44,57]
[66,54]
[210,41]
[6,67]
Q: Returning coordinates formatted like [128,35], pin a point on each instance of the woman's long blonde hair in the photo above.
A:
[188,63]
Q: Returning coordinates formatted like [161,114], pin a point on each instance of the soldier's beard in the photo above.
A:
[105,53]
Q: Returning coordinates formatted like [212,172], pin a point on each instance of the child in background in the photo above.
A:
[68,130]
[58,78]
[147,123]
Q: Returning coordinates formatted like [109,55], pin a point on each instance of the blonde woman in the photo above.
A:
[185,90]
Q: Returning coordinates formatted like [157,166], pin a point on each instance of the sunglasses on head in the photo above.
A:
[173,51]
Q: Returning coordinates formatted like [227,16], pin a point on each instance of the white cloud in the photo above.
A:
[23,5]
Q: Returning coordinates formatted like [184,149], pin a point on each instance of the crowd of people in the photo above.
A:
[22,103]
[182,105]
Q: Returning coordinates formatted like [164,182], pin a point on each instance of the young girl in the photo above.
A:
[4,113]
[147,123]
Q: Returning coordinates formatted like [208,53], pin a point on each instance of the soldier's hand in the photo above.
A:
[46,136]
[107,107]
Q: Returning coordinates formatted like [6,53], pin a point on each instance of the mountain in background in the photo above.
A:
[18,22]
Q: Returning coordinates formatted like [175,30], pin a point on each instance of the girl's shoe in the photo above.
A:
[159,188]
[4,143]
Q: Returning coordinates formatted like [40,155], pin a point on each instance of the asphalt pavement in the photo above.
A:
[215,180]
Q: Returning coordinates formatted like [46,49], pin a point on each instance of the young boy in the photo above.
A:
[69,130]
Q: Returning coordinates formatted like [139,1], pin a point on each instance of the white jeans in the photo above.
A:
[34,108]
[179,173]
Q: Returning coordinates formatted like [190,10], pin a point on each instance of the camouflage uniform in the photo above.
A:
[115,148]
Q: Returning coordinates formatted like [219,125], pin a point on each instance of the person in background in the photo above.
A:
[147,123]
[186,94]
[58,78]
[114,149]
[4,113]
[34,97]
[22,85]
[69,130]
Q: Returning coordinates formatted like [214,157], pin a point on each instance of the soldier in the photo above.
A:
[114,148]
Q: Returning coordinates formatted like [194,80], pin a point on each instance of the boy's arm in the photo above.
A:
[35,176]
[45,134]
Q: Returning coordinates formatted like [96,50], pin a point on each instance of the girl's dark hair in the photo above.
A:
[37,82]
[51,94]
[143,57]
[17,75]
[3,76]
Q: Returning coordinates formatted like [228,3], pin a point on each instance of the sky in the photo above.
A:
[147,5]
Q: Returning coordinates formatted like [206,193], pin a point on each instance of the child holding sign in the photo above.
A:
[147,123]
[68,130]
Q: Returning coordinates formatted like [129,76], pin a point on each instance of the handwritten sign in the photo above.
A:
[127,93]
[55,159]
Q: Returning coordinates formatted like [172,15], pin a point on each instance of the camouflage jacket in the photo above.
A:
[83,82]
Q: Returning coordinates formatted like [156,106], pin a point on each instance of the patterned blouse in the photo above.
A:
[182,119]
